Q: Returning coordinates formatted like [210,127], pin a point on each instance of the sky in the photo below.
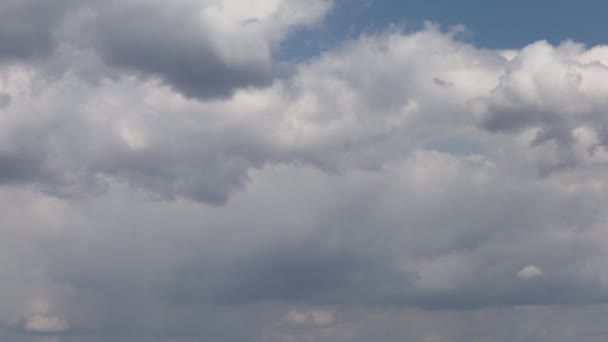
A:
[489,24]
[303,171]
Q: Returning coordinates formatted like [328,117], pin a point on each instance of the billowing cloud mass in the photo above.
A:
[165,178]
[200,48]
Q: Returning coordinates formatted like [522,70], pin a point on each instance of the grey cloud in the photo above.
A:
[328,194]
[170,146]
[442,83]
[383,262]
[5,100]
[27,27]
[123,266]
[65,154]
[551,90]
[364,241]
[337,112]
[195,47]
[169,42]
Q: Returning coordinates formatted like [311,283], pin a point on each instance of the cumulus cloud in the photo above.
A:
[160,182]
[153,138]
[202,49]
[554,97]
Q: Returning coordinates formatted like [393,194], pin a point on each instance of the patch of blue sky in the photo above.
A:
[493,24]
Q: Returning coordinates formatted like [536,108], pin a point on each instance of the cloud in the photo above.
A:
[339,112]
[165,184]
[5,100]
[143,133]
[45,324]
[530,272]
[27,27]
[315,317]
[552,94]
[202,49]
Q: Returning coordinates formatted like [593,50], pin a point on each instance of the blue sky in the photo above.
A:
[493,24]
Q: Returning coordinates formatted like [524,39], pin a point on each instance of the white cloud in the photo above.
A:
[40,318]
[530,272]
[45,324]
[313,317]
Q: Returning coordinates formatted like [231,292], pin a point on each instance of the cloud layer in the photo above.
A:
[165,179]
